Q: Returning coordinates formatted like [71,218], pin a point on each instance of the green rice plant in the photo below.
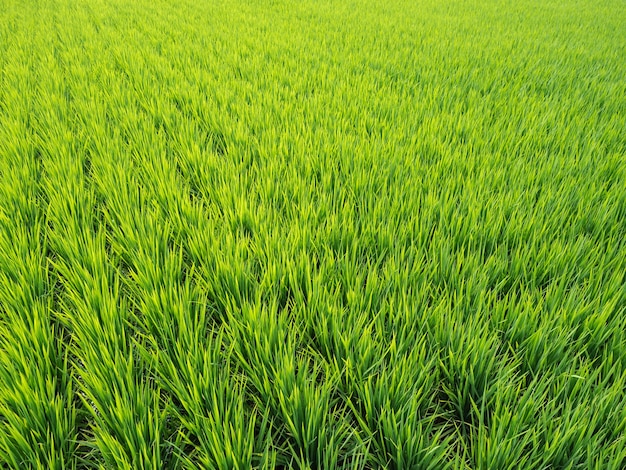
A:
[267,234]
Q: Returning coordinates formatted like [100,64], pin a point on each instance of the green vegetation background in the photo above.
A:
[315,234]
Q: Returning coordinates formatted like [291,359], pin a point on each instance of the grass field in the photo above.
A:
[318,234]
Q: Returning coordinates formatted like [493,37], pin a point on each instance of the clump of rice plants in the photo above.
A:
[314,235]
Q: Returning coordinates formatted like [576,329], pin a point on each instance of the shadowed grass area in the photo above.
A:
[314,235]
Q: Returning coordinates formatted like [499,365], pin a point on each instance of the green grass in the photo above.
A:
[314,235]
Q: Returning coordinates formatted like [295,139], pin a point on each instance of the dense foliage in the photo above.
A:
[316,234]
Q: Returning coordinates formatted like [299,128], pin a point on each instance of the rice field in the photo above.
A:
[322,234]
